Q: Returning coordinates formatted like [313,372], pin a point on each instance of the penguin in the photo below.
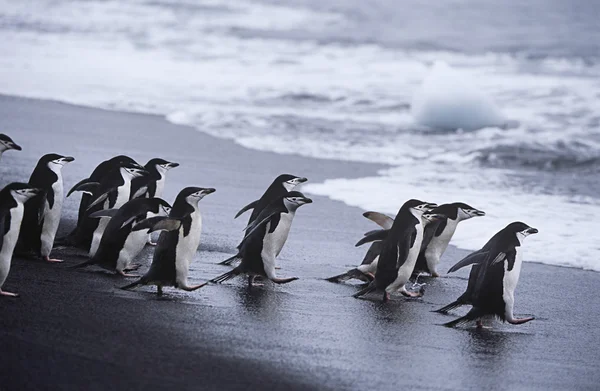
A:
[7,143]
[42,214]
[152,185]
[81,235]
[120,245]
[366,270]
[400,249]
[111,193]
[176,246]
[12,200]
[264,239]
[437,235]
[494,277]
[278,188]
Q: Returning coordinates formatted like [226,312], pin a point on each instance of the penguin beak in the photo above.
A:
[307,201]
[479,213]
[302,180]
[209,190]
[532,231]
[16,146]
[172,165]
[68,159]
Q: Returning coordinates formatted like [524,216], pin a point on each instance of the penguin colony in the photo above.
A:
[121,206]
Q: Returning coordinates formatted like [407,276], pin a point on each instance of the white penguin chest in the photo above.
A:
[273,242]
[133,245]
[188,245]
[511,277]
[123,193]
[439,244]
[10,239]
[52,214]
[160,186]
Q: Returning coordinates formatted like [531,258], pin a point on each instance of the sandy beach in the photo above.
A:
[74,330]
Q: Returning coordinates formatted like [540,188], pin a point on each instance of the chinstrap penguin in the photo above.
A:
[278,188]
[494,278]
[120,245]
[176,246]
[42,214]
[6,143]
[12,199]
[264,239]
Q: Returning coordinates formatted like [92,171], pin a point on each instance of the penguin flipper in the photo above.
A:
[140,192]
[158,223]
[469,317]
[372,253]
[141,281]
[104,213]
[380,234]
[350,274]
[450,307]
[473,258]
[230,260]
[370,288]
[246,208]
[85,185]
[380,219]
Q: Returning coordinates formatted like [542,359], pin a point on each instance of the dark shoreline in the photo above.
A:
[74,330]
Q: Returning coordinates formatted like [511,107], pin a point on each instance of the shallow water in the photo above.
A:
[338,79]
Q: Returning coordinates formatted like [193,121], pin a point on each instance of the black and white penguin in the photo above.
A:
[120,245]
[81,235]
[278,188]
[265,237]
[12,198]
[42,214]
[400,249]
[7,143]
[366,270]
[176,246]
[437,235]
[153,184]
[111,193]
[494,278]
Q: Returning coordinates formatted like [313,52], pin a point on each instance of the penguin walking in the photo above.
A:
[42,214]
[494,278]
[366,270]
[6,143]
[400,249]
[278,188]
[12,200]
[437,235]
[81,235]
[264,239]
[120,245]
[176,246]
[111,193]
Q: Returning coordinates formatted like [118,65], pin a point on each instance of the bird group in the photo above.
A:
[121,207]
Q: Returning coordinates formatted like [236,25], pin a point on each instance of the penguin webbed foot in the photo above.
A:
[406,293]
[193,287]
[283,280]
[8,294]
[521,320]
[133,267]
[124,274]
[51,260]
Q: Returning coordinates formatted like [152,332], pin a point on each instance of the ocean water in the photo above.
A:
[492,103]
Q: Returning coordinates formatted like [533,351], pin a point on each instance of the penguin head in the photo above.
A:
[7,143]
[163,207]
[465,211]
[55,161]
[133,170]
[419,206]
[160,165]
[430,217]
[194,194]
[290,181]
[294,199]
[123,160]
[21,192]
[521,229]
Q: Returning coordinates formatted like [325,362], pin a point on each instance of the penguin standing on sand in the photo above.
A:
[264,239]
[366,270]
[494,277]
[177,246]
[7,143]
[437,235]
[42,214]
[280,186]
[12,198]
[400,249]
[81,235]
[111,193]
[120,245]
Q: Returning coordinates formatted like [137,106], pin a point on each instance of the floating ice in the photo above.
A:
[448,99]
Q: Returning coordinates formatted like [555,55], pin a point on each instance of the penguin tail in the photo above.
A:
[472,315]
[230,260]
[140,281]
[354,273]
[449,307]
[226,276]
[370,288]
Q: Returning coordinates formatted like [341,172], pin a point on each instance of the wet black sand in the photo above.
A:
[74,330]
